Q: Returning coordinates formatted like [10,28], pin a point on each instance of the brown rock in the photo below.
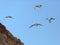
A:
[6,38]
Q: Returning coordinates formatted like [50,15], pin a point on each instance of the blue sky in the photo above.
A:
[24,15]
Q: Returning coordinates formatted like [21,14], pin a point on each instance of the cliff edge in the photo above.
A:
[6,38]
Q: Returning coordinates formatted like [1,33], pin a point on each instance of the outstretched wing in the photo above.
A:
[7,17]
[35,25]
[31,26]
[37,6]
[50,20]
[40,24]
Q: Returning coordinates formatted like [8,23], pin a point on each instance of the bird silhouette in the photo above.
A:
[36,24]
[8,17]
[50,19]
[38,6]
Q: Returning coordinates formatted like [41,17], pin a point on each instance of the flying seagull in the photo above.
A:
[38,6]
[36,24]
[50,19]
[8,17]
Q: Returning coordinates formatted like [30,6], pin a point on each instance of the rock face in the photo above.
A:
[6,38]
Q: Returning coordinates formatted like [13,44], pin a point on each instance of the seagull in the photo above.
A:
[36,24]
[38,6]
[50,19]
[8,17]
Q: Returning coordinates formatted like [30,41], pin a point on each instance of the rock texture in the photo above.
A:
[6,38]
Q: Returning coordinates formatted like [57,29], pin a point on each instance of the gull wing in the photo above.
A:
[50,20]
[35,25]
[7,17]
[37,6]
[31,26]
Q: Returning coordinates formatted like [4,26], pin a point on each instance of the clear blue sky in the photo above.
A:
[24,15]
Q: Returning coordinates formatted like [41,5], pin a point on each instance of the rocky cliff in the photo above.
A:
[6,38]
